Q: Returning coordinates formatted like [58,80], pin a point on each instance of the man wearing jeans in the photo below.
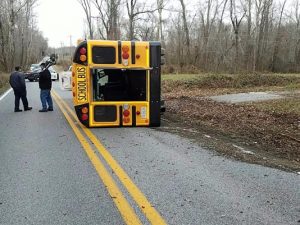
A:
[17,82]
[45,84]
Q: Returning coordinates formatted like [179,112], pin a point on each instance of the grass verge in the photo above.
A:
[291,106]
[270,129]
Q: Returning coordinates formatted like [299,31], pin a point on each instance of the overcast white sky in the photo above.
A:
[58,19]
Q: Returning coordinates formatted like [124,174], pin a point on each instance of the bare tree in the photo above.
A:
[109,18]
[236,22]
[208,14]
[297,35]
[259,35]
[25,33]
[134,10]
[263,9]
[186,30]
[249,44]
[146,30]
[17,34]
[277,40]
[160,7]
[86,5]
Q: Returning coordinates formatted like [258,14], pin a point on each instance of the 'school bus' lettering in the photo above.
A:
[81,84]
[117,83]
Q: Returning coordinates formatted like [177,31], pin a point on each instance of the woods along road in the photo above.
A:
[53,171]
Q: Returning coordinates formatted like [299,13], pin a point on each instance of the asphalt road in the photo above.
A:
[49,176]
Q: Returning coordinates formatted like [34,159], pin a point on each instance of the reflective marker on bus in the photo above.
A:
[117,83]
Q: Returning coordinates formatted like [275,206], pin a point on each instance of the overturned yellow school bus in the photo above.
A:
[117,83]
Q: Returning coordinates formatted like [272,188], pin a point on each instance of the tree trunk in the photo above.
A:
[277,41]
[186,31]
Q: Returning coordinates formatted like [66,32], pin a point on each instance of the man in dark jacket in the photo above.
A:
[17,82]
[45,84]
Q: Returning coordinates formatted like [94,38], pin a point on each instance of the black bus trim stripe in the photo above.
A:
[132,52]
[121,116]
[120,52]
[134,116]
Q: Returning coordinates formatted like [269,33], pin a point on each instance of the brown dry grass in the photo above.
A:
[273,127]
[4,79]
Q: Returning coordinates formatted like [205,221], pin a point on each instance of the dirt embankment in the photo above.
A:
[243,131]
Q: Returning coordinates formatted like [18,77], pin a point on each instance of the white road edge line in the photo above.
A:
[6,93]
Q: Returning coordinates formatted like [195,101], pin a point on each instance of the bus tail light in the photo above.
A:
[126,120]
[84,110]
[80,55]
[125,55]
[125,48]
[84,117]
[83,58]
[126,113]
[82,51]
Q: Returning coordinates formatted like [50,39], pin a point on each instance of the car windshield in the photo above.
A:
[34,67]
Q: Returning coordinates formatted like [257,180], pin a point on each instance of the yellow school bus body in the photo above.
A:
[82,84]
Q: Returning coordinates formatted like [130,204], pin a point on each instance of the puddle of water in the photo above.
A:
[246,97]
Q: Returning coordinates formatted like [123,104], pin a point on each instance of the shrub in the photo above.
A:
[188,69]
[4,79]
[244,80]
[235,81]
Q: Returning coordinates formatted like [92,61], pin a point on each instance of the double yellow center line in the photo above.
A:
[126,211]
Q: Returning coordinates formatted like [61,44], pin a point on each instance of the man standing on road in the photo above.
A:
[17,82]
[45,84]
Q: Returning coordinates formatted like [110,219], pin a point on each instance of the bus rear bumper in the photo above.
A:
[116,114]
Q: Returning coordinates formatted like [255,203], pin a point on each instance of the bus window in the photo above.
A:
[119,85]
[103,55]
[99,81]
